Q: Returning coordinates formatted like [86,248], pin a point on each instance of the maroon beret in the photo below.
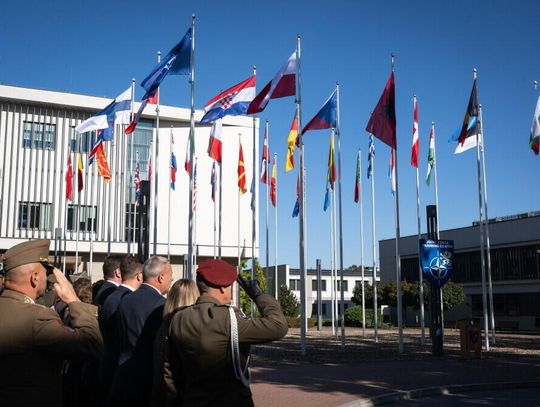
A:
[217,272]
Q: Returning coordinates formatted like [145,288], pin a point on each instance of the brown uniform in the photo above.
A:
[200,350]
[34,344]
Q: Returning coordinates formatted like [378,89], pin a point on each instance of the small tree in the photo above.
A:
[288,301]
[368,292]
[245,301]
[453,294]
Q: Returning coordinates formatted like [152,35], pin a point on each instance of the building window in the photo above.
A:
[34,215]
[86,215]
[314,285]
[39,135]
[86,141]
[345,285]
[294,285]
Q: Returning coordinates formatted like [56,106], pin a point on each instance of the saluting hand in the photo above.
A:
[251,288]
[63,288]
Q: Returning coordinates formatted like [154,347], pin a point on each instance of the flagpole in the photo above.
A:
[373,238]
[301,217]
[482,259]
[190,271]
[275,233]
[131,234]
[156,166]
[255,201]
[238,216]
[135,202]
[92,223]
[486,226]
[169,197]
[195,249]
[333,279]
[420,273]
[267,229]
[220,209]
[215,207]
[361,197]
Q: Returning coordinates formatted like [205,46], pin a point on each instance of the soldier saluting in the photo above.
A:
[209,341]
[33,341]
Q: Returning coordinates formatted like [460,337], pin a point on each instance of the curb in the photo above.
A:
[437,391]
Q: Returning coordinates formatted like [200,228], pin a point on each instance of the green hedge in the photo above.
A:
[353,317]
[294,322]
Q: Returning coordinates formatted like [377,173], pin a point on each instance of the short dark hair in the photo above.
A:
[83,289]
[111,263]
[129,267]
[204,285]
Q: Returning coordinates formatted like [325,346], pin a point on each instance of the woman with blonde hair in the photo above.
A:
[183,293]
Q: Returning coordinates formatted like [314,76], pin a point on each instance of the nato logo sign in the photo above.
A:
[437,260]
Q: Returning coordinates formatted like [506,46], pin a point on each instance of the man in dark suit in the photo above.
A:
[112,278]
[140,315]
[131,270]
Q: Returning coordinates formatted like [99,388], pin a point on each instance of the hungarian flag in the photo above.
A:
[357,181]
[241,171]
[273,184]
[173,165]
[431,155]
[534,139]
[282,85]
[326,117]
[80,179]
[291,143]
[69,179]
[331,175]
[265,157]
[382,123]
[214,142]
[415,141]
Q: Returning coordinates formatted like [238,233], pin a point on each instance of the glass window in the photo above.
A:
[345,285]
[86,214]
[86,141]
[314,285]
[39,135]
[34,215]
[294,284]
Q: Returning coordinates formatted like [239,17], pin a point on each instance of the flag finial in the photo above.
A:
[433,123]
[474,73]
[535,84]
[392,60]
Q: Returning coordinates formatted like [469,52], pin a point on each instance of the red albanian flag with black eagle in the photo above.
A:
[382,123]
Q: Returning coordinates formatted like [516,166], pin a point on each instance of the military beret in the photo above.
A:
[33,251]
[217,272]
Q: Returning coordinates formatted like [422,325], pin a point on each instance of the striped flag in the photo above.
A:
[80,169]
[371,155]
[534,139]
[291,143]
[357,181]
[213,181]
[69,179]
[173,164]
[265,158]
[415,142]
[241,171]
[214,142]
[431,155]
[273,184]
[331,175]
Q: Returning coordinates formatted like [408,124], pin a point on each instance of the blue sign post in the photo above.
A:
[436,257]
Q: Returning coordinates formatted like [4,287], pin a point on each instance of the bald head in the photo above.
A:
[29,279]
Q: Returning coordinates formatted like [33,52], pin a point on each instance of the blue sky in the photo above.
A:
[97,47]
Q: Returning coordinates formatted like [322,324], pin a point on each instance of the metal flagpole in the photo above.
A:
[420,273]
[94,214]
[76,218]
[238,217]
[155,164]
[195,249]
[482,259]
[333,279]
[255,202]
[131,234]
[267,229]
[301,204]
[335,261]
[108,192]
[215,207]
[486,226]
[169,197]
[135,199]
[338,133]
[373,238]
[362,246]
[398,256]
[275,235]
[190,271]
[220,208]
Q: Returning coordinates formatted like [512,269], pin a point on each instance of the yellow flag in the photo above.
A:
[291,142]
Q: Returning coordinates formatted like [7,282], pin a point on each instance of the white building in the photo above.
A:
[36,137]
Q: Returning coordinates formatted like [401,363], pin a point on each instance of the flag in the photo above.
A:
[173,164]
[150,100]
[265,157]
[431,155]
[241,171]
[176,62]
[371,155]
[98,154]
[214,143]
[392,171]
[231,102]
[331,174]
[80,168]
[273,184]
[357,181]
[150,167]
[213,181]
[327,196]
[195,186]
[326,118]
[470,141]
[382,123]
[252,192]
[534,139]
[118,111]
[137,182]
[470,124]
[415,141]
[291,143]
[296,209]
[69,179]
[187,161]
[282,85]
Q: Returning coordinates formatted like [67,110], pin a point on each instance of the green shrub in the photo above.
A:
[353,317]
[294,322]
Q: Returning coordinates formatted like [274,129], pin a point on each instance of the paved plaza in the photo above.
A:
[365,373]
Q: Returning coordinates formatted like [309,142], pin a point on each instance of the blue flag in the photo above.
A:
[296,209]
[176,62]
[326,198]
[326,118]
[371,154]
